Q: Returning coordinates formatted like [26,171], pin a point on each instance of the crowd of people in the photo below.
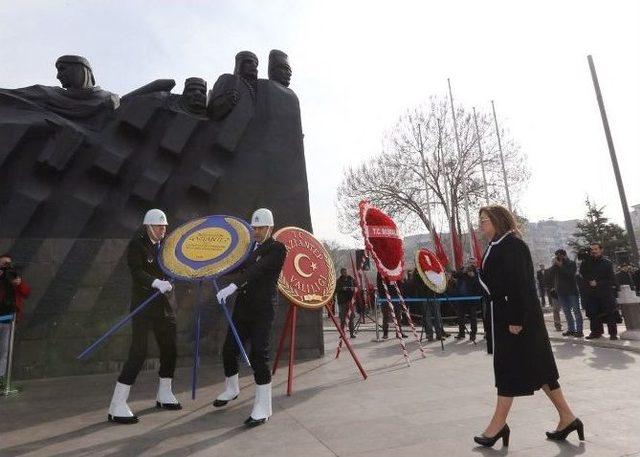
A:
[590,283]
[461,283]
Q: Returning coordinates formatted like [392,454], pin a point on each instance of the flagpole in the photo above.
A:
[484,175]
[464,184]
[504,172]
[426,186]
[447,196]
[614,162]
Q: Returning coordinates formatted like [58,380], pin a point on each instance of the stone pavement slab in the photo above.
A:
[432,408]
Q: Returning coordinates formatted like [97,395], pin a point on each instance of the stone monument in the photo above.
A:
[80,166]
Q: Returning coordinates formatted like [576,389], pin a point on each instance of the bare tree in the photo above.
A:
[420,163]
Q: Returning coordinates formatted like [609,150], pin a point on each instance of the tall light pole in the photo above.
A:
[614,163]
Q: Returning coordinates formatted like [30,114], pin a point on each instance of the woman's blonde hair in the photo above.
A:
[502,219]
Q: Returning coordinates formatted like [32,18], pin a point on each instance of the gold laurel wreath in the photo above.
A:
[185,271]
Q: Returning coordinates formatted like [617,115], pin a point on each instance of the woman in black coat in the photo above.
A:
[522,358]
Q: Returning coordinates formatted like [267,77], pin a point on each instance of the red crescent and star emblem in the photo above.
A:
[308,276]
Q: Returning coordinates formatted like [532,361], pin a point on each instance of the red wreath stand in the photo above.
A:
[307,263]
[289,329]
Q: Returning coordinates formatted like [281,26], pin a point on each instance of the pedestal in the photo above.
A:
[630,306]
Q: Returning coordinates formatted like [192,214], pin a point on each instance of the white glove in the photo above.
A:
[226,293]
[162,286]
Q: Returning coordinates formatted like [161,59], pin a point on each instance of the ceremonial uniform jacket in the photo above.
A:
[142,259]
[257,281]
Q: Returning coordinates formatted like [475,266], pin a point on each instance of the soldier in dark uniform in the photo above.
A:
[345,287]
[158,317]
[253,315]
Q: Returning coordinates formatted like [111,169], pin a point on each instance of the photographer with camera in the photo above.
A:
[13,290]
[567,290]
[600,284]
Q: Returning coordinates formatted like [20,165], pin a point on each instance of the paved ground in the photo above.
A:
[432,408]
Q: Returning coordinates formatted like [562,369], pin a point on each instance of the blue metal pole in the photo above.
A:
[232,327]
[118,325]
[196,352]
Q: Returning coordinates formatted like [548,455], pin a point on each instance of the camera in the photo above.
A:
[9,272]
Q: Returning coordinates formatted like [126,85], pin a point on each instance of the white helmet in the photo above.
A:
[155,217]
[262,217]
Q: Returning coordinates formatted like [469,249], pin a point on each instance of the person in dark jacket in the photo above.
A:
[467,285]
[386,310]
[158,317]
[541,284]
[253,314]
[345,287]
[567,290]
[624,277]
[522,358]
[600,283]
[550,284]
[635,276]
[14,289]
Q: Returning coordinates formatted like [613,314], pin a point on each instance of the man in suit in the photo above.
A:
[256,286]
[158,317]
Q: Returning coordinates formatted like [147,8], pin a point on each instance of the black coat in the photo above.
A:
[522,363]
[540,279]
[142,259]
[599,270]
[257,281]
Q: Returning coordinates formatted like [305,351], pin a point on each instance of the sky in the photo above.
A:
[358,65]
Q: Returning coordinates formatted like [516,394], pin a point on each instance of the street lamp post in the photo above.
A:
[614,163]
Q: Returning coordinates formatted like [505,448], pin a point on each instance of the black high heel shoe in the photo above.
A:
[560,435]
[490,441]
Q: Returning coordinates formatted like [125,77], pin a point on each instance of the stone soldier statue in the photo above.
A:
[78,100]
[279,68]
[193,99]
[232,100]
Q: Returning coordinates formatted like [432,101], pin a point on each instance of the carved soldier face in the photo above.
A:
[280,72]
[249,68]
[72,75]
[195,97]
